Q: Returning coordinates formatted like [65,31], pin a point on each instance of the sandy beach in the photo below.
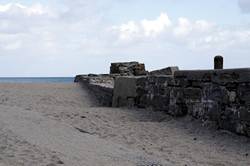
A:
[58,124]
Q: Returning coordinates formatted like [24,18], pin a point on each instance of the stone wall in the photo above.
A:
[128,69]
[100,87]
[165,71]
[220,96]
[124,92]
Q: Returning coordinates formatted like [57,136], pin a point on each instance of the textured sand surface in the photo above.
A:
[57,124]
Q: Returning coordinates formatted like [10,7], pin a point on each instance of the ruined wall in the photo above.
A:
[221,96]
[128,69]
[165,71]
[125,92]
[100,87]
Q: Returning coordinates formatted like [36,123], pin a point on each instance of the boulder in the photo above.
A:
[128,69]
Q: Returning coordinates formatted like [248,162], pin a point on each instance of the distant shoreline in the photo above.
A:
[36,79]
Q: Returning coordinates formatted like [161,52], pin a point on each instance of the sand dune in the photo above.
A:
[57,124]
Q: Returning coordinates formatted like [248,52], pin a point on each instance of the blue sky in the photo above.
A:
[69,37]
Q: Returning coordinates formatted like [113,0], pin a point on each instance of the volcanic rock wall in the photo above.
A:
[218,96]
[99,86]
[221,96]
[128,69]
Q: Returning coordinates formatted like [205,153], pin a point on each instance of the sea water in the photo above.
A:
[36,79]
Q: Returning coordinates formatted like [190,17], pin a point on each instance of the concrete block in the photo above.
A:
[125,87]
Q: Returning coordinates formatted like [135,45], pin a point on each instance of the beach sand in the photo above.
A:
[58,124]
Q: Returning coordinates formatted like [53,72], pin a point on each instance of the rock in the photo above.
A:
[128,69]
[165,71]
[51,164]
[60,162]
[192,94]
[221,77]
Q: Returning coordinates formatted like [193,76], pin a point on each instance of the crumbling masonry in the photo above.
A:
[221,96]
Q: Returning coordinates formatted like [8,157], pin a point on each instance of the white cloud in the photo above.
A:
[75,36]
[183,28]
[155,27]
[144,28]
[162,26]
[16,9]
[194,35]
[186,27]
[128,30]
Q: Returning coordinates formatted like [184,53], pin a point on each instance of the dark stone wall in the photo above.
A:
[100,87]
[220,96]
[217,95]
[165,71]
[128,69]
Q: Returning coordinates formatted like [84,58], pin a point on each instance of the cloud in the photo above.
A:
[46,38]
[194,35]
[15,9]
[162,26]
[155,27]
[185,27]
[144,28]
[244,6]
[48,26]
[68,37]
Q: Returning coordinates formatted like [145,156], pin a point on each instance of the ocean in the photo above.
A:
[36,79]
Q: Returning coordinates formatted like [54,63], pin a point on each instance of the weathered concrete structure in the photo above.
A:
[219,96]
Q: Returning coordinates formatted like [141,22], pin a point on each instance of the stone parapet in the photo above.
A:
[165,71]
[221,96]
[100,86]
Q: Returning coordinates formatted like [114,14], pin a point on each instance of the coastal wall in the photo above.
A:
[99,86]
[218,96]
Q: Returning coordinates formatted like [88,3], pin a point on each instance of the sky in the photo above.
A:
[44,38]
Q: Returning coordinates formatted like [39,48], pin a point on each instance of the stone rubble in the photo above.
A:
[128,69]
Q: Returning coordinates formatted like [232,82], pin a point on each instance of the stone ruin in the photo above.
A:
[220,96]
[128,69]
